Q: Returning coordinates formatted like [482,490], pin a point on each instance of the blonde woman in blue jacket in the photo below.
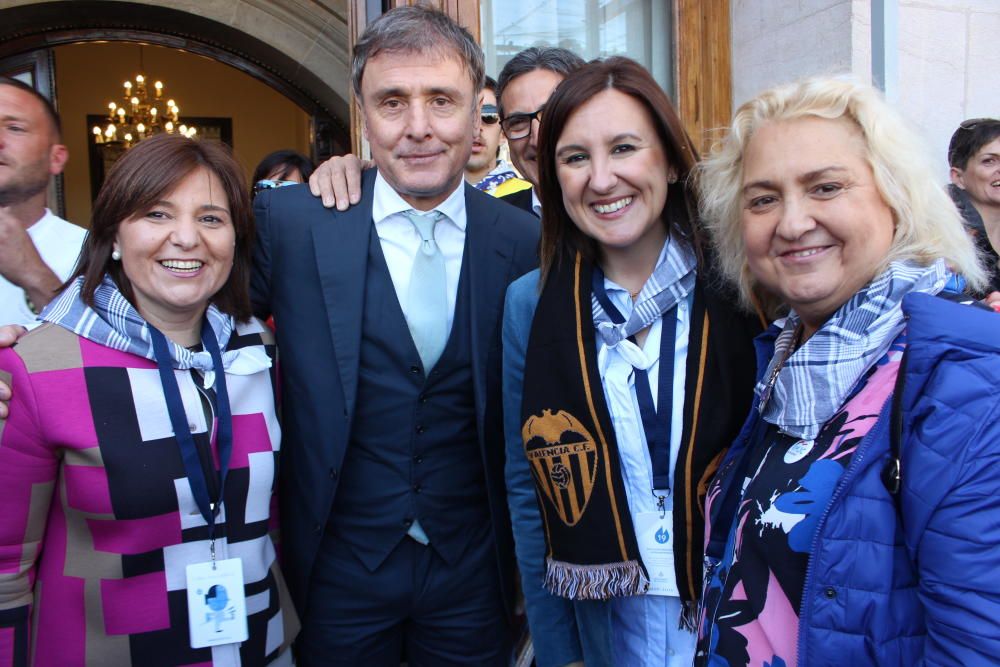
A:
[853,522]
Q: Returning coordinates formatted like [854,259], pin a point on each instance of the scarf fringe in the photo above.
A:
[689,616]
[595,582]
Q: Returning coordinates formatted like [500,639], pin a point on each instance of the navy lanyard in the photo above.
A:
[196,474]
[655,422]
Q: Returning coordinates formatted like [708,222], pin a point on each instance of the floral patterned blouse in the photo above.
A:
[753,596]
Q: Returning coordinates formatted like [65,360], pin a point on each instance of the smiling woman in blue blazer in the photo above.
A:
[630,327]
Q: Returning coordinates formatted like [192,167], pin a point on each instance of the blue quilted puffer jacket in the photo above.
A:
[915,579]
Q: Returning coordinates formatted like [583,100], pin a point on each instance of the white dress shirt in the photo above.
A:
[58,242]
[401,241]
[644,628]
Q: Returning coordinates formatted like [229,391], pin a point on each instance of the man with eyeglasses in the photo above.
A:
[523,87]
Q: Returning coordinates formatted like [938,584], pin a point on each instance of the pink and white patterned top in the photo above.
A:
[99,523]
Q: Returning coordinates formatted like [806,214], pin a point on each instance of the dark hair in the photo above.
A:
[287,160]
[561,239]
[416,29]
[47,105]
[970,136]
[551,58]
[147,172]
[490,83]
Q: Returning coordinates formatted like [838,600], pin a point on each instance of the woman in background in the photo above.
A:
[974,157]
[285,167]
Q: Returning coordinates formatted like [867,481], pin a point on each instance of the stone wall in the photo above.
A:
[946,52]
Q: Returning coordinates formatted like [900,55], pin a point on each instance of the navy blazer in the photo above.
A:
[309,274]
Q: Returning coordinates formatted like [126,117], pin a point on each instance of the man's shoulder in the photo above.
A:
[296,206]
[68,228]
[52,228]
[514,220]
[58,243]
[520,199]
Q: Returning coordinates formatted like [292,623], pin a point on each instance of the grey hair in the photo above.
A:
[417,29]
[551,58]
[928,226]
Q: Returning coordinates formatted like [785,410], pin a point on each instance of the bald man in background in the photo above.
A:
[38,250]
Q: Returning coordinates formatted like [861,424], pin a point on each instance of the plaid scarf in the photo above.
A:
[802,394]
[671,281]
[115,323]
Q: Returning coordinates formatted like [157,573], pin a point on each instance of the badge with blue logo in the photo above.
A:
[654,531]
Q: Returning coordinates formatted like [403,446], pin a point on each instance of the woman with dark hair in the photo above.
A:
[625,373]
[138,461]
[284,165]
[974,157]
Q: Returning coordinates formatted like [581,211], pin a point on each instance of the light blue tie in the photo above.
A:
[427,308]
[427,295]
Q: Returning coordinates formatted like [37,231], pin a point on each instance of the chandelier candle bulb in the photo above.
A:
[139,116]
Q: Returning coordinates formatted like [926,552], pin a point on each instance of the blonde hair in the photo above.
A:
[928,226]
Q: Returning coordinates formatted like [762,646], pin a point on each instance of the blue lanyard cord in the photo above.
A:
[196,473]
[656,423]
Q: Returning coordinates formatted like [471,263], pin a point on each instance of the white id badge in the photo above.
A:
[217,606]
[656,546]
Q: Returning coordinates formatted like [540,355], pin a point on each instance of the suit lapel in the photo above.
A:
[341,245]
[490,254]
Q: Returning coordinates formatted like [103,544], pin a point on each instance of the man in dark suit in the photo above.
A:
[395,533]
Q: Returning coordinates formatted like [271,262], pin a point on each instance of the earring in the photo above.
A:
[115,255]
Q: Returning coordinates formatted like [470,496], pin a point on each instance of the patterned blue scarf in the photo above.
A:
[802,394]
[671,281]
[115,323]
[500,174]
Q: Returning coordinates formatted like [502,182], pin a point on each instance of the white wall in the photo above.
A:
[947,51]
[949,66]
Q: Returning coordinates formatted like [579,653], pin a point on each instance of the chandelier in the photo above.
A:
[140,115]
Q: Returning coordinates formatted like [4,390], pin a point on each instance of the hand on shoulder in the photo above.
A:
[338,181]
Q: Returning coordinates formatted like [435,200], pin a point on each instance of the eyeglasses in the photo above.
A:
[518,125]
